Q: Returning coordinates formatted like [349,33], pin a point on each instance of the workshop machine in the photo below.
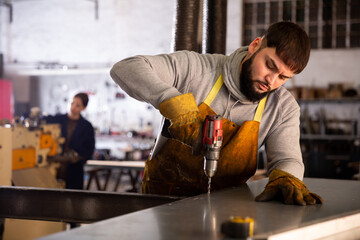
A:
[24,150]
[27,148]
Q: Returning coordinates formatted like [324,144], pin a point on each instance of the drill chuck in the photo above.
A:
[210,167]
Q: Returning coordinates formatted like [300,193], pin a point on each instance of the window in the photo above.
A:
[329,23]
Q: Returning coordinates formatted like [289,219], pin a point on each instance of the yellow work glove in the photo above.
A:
[289,189]
[185,118]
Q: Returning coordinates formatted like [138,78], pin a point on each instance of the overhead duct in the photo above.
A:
[186,25]
[214,27]
[191,19]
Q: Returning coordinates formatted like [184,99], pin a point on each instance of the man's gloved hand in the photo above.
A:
[185,118]
[289,189]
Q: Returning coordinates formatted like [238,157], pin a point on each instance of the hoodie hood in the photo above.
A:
[231,73]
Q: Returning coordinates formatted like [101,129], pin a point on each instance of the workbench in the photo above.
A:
[93,167]
[128,164]
[200,217]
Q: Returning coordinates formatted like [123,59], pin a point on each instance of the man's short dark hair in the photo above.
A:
[84,98]
[291,42]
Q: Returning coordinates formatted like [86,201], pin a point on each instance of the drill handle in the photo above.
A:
[212,132]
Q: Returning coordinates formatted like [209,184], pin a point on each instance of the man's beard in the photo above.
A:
[247,84]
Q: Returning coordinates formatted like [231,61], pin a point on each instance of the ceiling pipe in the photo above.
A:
[185,33]
[10,7]
[96,5]
[200,29]
[214,27]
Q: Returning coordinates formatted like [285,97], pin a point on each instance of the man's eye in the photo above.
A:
[282,77]
[268,65]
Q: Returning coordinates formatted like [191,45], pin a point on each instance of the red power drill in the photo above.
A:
[212,140]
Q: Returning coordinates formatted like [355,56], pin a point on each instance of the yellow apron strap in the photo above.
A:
[216,88]
[214,91]
[260,109]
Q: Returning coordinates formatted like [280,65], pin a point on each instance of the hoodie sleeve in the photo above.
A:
[153,79]
[283,143]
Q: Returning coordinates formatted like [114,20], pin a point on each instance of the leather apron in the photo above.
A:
[175,171]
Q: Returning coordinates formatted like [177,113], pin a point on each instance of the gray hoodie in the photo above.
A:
[153,79]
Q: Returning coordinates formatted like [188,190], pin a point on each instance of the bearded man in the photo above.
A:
[245,88]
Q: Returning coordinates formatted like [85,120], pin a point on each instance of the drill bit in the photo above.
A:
[209,185]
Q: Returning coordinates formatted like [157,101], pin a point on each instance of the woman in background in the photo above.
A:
[79,142]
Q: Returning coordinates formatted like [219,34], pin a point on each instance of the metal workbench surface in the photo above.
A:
[200,217]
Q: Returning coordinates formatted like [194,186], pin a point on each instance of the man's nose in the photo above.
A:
[270,78]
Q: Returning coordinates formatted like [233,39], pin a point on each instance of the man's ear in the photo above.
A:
[255,45]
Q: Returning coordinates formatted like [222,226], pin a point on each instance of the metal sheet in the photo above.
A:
[200,217]
[72,205]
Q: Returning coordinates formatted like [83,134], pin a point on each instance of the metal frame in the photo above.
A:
[72,205]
